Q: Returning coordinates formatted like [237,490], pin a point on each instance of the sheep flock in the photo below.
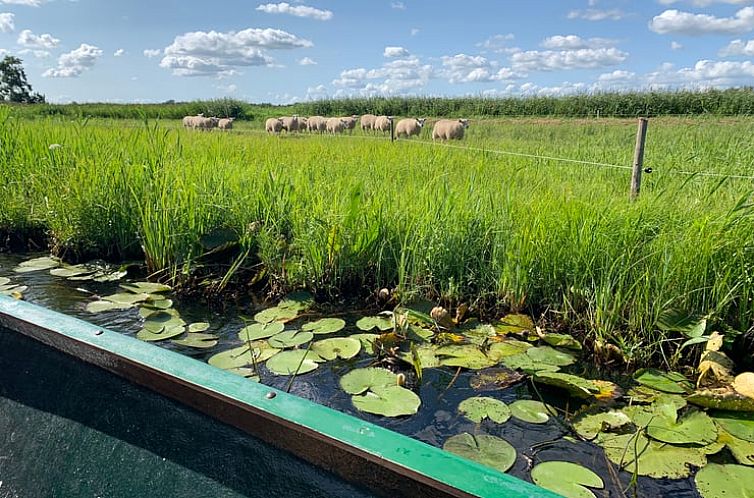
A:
[443,129]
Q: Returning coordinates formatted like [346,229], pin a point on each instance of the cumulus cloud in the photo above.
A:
[119,52]
[6,22]
[597,14]
[307,61]
[619,75]
[707,3]
[686,23]
[213,53]
[557,60]
[462,68]
[318,92]
[572,42]
[398,5]
[39,54]
[395,52]
[675,45]
[152,52]
[72,64]
[738,47]
[296,10]
[414,31]
[395,77]
[498,43]
[28,3]
[28,39]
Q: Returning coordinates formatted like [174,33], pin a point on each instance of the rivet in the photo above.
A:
[99,332]
[270,395]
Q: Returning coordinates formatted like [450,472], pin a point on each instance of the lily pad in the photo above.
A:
[478,408]
[479,333]
[366,340]
[197,340]
[67,271]
[524,363]
[589,426]
[568,479]
[276,314]
[492,379]
[562,341]
[506,348]
[637,454]
[161,304]
[722,398]
[363,379]
[293,362]
[102,306]
[550,356]
[324,326]
[162,334]
[381,322]
[514,324]
[4,281]
[126,298]
[740,425]
[243,356]
[297,301]
[290,339]
[465,356]
[198,327]
[37,264]
[337,347]
[534,412]
[488,450]
[742,451]
[667,382]
[388,401]
[716,481]
[575,385]
[249,373]
[258,331]
[146,287]
[696,428]
[425,354]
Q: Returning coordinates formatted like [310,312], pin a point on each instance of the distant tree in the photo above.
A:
[13,84]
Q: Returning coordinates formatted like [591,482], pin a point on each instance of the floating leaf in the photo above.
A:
[276,314]
[668,382]
[716,481]
[337,347]
[146,287]
[589,426]
[479,333]
[550,356]
[740,425]
[249,373]
[197,340]
[504,349]
[161,304]
[478,408]
[742,450]
[101,306]
[488,450]
[492,379]
[198,327]
[4,281]
[243,356]
[534,412]
[715,368]
[744,384]
[290,339]
[152,335]
[575,385]
[639,455]
[363,379]
[293,362]
[722,398]
[524,363]
[324,326]
[388,401]
[381,322]
[258,331]
[567,479]
[562,341]
[37,264]
[695,428]
[297,301]
[425,354]
[126,298]
[66,271]
[465,356]
[366,340]
[514,324]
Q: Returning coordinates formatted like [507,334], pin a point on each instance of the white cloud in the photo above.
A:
[28,3]
[573,42]
[152,52]
[619,75]
[318,92]
[395,77]
[597,15]
[414,31]
[213,53]
[738,47]
[704,74]
[395,52]
[72,64]
[230,88]
[498,43]
[307,61]
[28,39]
[686,23]
[296,10]
[556,60]
[119,52]
[462,68]
[674,45]
[398,5]
[706,3]
[6,22]
[39,54]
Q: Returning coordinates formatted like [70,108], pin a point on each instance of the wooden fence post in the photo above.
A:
[392,130]
[638,166]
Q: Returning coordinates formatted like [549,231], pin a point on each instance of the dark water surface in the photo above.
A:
[437,419]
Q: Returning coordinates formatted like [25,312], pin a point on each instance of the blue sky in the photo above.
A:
[151,51]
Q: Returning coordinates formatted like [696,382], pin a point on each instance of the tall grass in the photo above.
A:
[351,215]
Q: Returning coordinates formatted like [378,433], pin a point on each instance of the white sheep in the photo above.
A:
[409,127]
[273,125]
[367,122]
[206,124]
[449,129]
[382,123]
[303,124]
[192,121]
[350,122]
[335,125]
[225,123]
[317,124]
[290,123]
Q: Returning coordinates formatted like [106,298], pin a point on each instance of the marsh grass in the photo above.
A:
[342,215]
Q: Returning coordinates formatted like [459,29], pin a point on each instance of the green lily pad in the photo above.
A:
[510,347]
[249,373]
[363,379]
[425,355]
[102,276]
[550,356]
[243,356]
[667,382]
[575,385]
[637,454]
[589,426]
[488,450]
[366,340]
[492,379]
[276,314]
[37,264]
[524,363]
[515,324]
[146,287]
[324,326]
[740,425]
[126,298]
[161,304]
[337,347]
[102,306]
[742,450]
[297,301]
[534,412]
[464,356]
[67,271]
[716,481]
[4,281]
[567,479]
[562,341]
[388,401]
[722,398]
[296,362]
[162,334]
[197,340]
[163,320]
[198,327]
[381,322]
[479,333]
[290,339]
[478,408]
[258,331]
[695,428]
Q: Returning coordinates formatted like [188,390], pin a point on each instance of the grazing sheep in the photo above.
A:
[350,122]
[303,124]
[449,129]
[225,124]
[290,123]
[192,121]
[317,124]
[367,122]
[335,125]
[273,125]
[409,127]
[206,124]
[382,123]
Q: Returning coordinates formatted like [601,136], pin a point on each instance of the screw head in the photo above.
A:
[647,170]
[99,332]
[270,395]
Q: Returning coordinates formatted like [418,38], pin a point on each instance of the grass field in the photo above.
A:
[349,215]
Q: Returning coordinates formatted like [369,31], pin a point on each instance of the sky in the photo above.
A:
[282,52]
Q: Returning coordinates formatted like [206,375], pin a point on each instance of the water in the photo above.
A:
[436,420]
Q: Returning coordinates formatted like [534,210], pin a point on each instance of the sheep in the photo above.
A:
[382,123]
[317,124]
[336,125]
[273,125]
[303,124]
[449,129]
[290,123]
[191,121]
[350,122]
[225,124]
[367,122]
[206,124]
[409,127]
